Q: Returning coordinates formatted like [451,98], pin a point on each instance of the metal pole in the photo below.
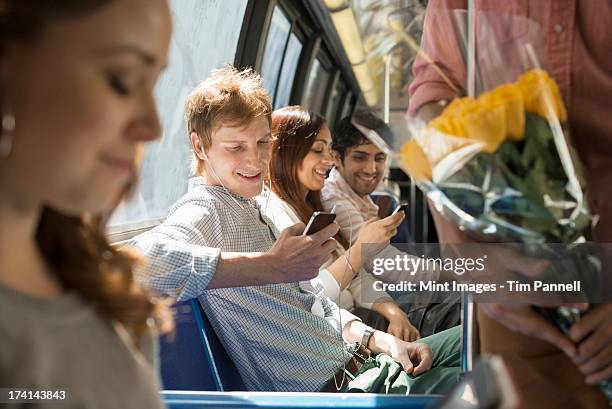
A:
[386,107]
[471,50]
[468,309]
[413,211]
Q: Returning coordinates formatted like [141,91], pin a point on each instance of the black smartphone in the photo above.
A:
[318,222]
[401,207]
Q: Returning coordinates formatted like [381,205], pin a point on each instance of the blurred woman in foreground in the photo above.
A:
[76,99]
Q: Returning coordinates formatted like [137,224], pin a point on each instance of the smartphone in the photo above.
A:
[401,207]
[318,222]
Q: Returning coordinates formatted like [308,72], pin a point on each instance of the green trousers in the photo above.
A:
[381,374]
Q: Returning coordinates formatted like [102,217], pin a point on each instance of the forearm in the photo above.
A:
[380,342]
[345,268]
[387,308]
[353,331]
[244,269]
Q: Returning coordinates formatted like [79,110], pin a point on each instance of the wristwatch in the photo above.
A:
[367,334]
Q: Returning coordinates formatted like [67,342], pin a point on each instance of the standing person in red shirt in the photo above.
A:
[578,48]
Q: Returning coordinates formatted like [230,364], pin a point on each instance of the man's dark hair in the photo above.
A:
[346,135]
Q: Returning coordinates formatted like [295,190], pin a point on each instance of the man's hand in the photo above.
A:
[523,319]
[403,329]
[593,336]
[380,231]
[292,258]
[415,357]
[295,257]
[399,325]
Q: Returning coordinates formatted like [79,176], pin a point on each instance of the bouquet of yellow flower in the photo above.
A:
[500,165]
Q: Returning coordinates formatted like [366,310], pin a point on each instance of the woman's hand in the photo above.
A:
[593,337]
[525,320]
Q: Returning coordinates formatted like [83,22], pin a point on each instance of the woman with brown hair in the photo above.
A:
[76,100]
[300,161]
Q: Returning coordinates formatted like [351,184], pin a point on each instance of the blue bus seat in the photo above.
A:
[193,358]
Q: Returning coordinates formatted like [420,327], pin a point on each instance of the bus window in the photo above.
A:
[290,62]
[205,36]
[347,105]
[276,41]
[316,87]
[334,102]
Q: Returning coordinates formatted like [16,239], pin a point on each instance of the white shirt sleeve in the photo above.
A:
[363,291]
[330,285]
[340,317]
[348,217]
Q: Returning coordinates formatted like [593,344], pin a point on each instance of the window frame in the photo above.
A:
[350,99]
[339,88]
[311,22]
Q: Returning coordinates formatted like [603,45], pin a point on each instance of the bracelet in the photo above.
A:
[367,334]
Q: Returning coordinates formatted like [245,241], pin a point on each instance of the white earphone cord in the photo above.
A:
[262,216]
[346,266]
[220,181]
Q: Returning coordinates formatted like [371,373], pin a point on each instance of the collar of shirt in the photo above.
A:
[197,182]
[336,185]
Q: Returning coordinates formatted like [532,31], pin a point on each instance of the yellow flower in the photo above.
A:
[459,104]
[415,162]
[510,98]
[536,87]
[448,121]
[484,124]
[472,119]
[445,124]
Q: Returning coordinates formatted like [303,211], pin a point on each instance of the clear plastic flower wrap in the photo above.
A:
[499,163]
[500,166]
